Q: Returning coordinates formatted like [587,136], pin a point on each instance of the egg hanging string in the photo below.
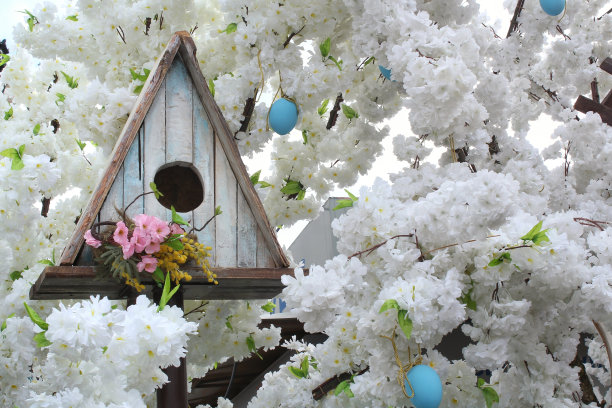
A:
[263,80]
[282,95]
[564,11]
[404,368]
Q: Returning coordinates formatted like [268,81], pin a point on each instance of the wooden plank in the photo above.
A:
[133,176]
[247,234]
[179,128]
[79,282]
[606,65]
[264,259]
[187,50]
[155,150]
[114,199]
[225,196]
[607,101]
[141,107]
[204,161]
[585,105]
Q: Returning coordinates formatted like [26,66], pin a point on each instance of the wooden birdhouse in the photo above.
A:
[177,138]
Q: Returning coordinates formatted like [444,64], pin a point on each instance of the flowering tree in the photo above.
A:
[489,239]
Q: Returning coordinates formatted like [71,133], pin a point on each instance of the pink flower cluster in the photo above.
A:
[146,238]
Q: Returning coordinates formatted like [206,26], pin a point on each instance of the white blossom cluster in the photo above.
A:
[469,92]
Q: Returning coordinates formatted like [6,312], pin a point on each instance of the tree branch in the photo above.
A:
[371,249]
[333,115]
[321,390]
[514,22]
[249,108]
[290,36]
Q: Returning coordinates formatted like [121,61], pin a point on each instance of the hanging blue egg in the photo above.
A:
[283,116]
[426,385]
[385,72]
[552,7]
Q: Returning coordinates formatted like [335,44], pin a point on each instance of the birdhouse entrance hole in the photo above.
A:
[181,186]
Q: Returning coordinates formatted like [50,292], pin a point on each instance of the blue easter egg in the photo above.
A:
[385,72]
[552,7]
[283,116]
[426,385]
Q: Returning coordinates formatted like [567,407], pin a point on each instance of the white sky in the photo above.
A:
[499,19]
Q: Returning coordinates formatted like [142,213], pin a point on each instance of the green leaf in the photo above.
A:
[301,195]
[296,372]
[3,326]
[4,58]
[9,113]
[389,304]
[504,257]
[36,129]
[35,317]
[341,387]
[17,164]
[343,204]
[250,341]
[349,112]
[134,74]
[72,18]
[177,219]
[11,153]
[166,293]
[32,20]
[81,144]
[72,82]
[304,136]
[325,47]
[41,340]
[495,262]
[104,349]
[480,382]
[490,396]
[467,300]
[369,60]
[405,323]
[158,275]
[16,275]
[60,98]
[157,193]
[228,322]
[211,87]
[304,366]
[175,244]
[231,27]
[323,108]
[532,232]
[46,262]
[138,89]
[269,307]
[337,62]
[264,184]
[255,177]
[21,149]
[351,195]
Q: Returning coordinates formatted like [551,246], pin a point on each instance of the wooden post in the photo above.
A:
[174,393]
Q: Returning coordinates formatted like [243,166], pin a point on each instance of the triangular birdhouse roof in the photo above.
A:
[176,124]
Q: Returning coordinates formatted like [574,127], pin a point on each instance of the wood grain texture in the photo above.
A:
[124,142]
[584,105]
[188,52]
[114,199]
[247,234]
[133,176]
[606,65]
[179,141]
[225,196]
[155,150]
[78,282]
[204,161]
[264,259]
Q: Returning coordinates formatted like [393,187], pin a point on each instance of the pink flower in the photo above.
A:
[140,239]
[153,247]
[148,264]
[90,240]
[176,229]
[159,230]
[121,233]
[128,250]
[144,222]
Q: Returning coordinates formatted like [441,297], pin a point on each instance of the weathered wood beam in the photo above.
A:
[80,282]
[584,105]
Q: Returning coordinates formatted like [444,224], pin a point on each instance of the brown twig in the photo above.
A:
[204,226]
[202,304]
[333,115]
[133,201]
[567,163]
[147,24]
[321,390]
[457,244]
[560,31]
[290,36]
[594,90]
[606,342]
[249,108]
[45,206]
[590,223]
[371,249]
[607,12]
[121,34]
[99,224]
[514,22]
[492,29]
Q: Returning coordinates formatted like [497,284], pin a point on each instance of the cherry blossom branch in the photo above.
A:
[514,22]
[198,308]
[290,36]
[371,249]
[322,389]
[249,108]
[333,115]
[590,223]
[458,243]
[606,342]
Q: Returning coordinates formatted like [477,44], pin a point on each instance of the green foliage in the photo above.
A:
[111,262]
[337,62]
[211,87]
[4,58]
[323,108]
[166,293]
[404,322]
[157,193]
[255,177]
[16,275]
[80,143]
[349,112]
[41,340]
[36,319]
[177,219]
[140,77]
[16,156]
[346,202]
[304,136]
[60,98]
[174,242]
[466,299]
[231,27]
[228,322]
[158,276]
[72,18]
[535,235]
[9,113]
[325,47]
[293,189]
[32,20]
[3,326]
[250,341]
[269,307]
[36,129]
[345,387]
[488,392]
[504,257]
[72,82]
[302,371]
[218,210]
